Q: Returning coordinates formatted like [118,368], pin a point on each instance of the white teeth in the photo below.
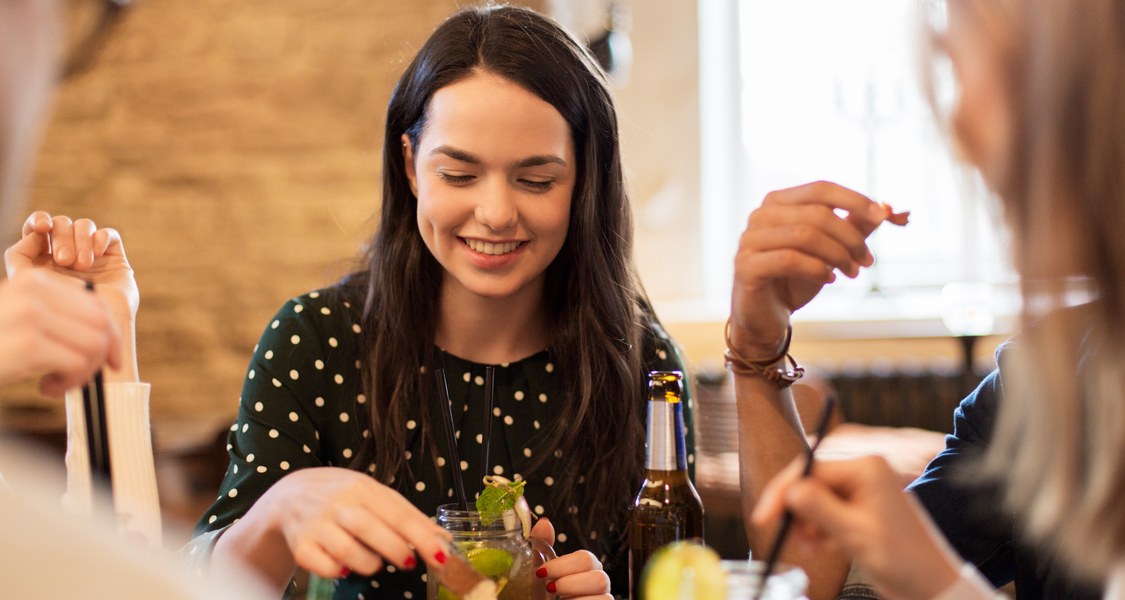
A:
[490,248]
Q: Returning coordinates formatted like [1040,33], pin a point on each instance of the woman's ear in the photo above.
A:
[408,159]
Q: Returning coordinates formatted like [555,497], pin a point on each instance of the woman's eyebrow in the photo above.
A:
[540,160]
[467,157]
[456,154]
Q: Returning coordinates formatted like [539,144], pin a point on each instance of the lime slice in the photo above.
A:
[444,593]
[684,570]
[490,562]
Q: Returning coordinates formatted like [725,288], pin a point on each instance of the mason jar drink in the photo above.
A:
[497,549]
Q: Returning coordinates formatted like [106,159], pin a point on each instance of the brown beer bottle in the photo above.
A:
[667,507]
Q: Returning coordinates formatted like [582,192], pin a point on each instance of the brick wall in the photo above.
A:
[235,144]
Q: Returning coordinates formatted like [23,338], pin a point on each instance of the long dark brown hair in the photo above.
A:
[594,299]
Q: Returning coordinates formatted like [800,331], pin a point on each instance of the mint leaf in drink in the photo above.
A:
[498,497]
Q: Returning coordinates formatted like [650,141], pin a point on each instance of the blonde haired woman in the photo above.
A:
[1041,114]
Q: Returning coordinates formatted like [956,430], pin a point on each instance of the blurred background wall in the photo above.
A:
[236,146]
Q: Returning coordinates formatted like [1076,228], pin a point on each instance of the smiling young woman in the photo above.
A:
[504,242]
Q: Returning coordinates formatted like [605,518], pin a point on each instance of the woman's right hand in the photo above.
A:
[790,249]
[334,519]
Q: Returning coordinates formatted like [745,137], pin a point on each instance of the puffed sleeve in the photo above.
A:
[290,395]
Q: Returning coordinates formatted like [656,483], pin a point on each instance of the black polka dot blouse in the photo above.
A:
[301,404]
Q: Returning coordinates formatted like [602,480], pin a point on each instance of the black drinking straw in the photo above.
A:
[787,519]
[445,409]
[489,402]
[97,438]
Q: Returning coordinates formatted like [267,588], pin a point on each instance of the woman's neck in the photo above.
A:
[489,330]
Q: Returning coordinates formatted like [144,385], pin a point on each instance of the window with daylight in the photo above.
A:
[793,91]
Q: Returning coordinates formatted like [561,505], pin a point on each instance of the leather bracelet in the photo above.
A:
[782,376]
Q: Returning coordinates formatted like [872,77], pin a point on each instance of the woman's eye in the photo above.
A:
[539,186]
[455,179]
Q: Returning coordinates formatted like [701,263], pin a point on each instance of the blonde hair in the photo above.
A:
[1059,445]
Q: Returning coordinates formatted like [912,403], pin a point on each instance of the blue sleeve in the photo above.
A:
[969,514]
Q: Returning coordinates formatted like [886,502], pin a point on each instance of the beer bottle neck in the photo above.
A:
[664,443]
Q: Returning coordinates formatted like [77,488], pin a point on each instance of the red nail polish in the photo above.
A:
[440,557]
[552,588]
[409,563]
[344,572]
[541,572]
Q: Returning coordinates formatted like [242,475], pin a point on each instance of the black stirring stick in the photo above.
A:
[787,519]
[445,409]
[489,402]
[97,438]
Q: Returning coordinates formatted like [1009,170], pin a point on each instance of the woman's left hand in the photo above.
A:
[575,575]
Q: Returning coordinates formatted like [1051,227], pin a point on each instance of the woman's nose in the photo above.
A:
[496,207]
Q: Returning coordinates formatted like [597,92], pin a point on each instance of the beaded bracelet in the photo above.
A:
[781,376]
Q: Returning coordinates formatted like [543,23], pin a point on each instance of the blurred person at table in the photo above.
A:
[1040,114]
[504,240]
[52,329]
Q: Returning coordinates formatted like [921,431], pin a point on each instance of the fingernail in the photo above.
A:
[409,563]
[440,557]
[552,588]
[344,572]
[63,255]
[541,572]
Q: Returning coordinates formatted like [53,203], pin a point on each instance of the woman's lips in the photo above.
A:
[492,255]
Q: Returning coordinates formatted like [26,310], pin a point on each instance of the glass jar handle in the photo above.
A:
[541,551]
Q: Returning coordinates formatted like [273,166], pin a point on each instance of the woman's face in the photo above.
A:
[494,173]
[981,117]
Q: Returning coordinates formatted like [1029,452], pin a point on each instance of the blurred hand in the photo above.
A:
[53,327]
[859,507]
[790,249]
[333,518]
[77,249]
[575,575]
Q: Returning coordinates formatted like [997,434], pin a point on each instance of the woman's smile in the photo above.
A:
[491,248]
[492,255]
